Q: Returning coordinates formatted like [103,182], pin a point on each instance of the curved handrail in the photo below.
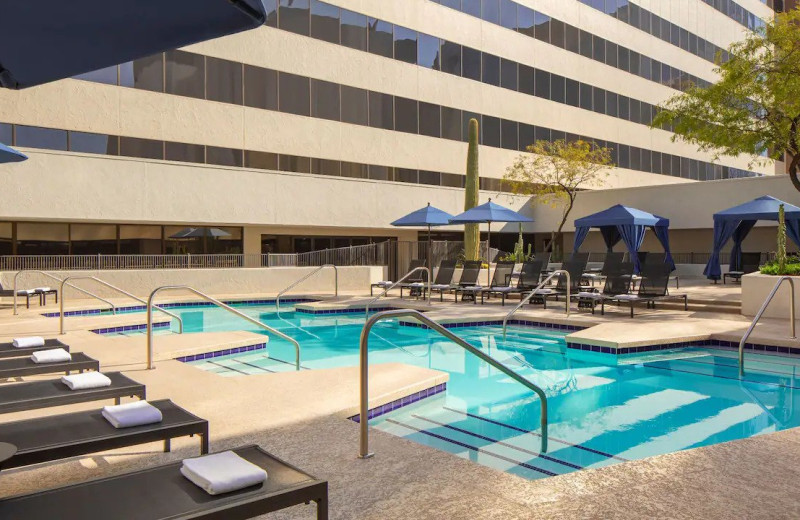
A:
[533,293]
[56,278]
[306,277]
[218,303]
[395,284]
[761,312]
[113,287]
[364,370]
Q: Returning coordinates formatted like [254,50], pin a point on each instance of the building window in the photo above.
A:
[93,239]
[541,84]
[490,72]
[406,175]
[471,7]
[36,137]
[42,239]
[557,88]
[354,30]
[405,44]
[508,133]
[260,88]
[326,167]
[381,111]
[508,74]
[6,133]
[294,95]
[293,163]
[93,143]
[490,131]
[508,14]
[430,178]
[428,51]
[451,58]
[142,148]
[107,75]
[451,123]
[429,117]
[325,100]
[526,20]
[354,106]
[324,21]
[144,73]
[380,173]
[223,156]
[471,60]
[224,81]
[293,16]
[354,170]
[405,115]
[185,74]
[541,29]
[261,160]
[380,38]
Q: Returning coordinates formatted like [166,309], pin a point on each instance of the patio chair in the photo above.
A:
[33,395]
[652,288]
[55,437]
[501,279]
[385,284]
[26,293]
[24,366]
[8,350]
[575,270]
[618,282]
[469,277]
[416,282]
[751,262]
[444,278]
[610,264]
[162,492]
[527,281]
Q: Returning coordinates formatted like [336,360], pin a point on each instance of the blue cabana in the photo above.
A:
[47,40]
[627,224]
[736,222]
[8,154]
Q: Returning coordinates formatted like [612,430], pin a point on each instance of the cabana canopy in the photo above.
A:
[627,224]
[736,223]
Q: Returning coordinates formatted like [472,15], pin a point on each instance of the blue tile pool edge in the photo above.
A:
[132,308]
[400,403]
[712,343]
[223,352]
[481,323]
[128,328]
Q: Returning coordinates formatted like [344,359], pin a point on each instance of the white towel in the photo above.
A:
[56,355]
[385,282]
[42,289]
[136,413]
[23,292]
[584,294]
[86,380]
[544,291]
[28,342]
[222,472]
[626,297]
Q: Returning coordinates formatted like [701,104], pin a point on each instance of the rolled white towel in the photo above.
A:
[136,413]
[626,297]
[42,289]
[584,294]
[545,291]
[56,355]
[86,380]
[385,282]
[23,292]
[28,342]
[222,472]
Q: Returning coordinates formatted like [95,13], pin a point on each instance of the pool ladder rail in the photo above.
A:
[306,277]
[760,313]
[534,293]
[59,280]
[151,305]
[426,286]
[363,449]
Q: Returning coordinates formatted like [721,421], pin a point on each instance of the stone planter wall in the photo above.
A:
[756,287]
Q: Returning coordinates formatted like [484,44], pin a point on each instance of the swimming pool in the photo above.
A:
[601,411]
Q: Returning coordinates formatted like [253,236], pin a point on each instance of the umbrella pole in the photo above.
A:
[430,264]
[488,255]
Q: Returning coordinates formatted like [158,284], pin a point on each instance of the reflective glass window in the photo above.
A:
[429,119]
[508,14]
[223,156]
[260,160]
[405,44]
[260,88]
[509,135]
[451,58]
[471,59]
[490,132]
[143,148]
[293,163]
[326,167]
[185,152]
[294,94]
[224,81]
[405,115]
[325,100]
[508,74]
[428,51]
[451,123]
[37,137]
[294,16]
[145,73]
[354,30]
[380,38]
[541,27]
[185,74]
[354,106]
[490,72]
[381,111]
[491,11]
[324,21]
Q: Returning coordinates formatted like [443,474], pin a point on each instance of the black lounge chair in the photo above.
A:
[527,281]
[501,282]
[416,282]
[575,268]
[469,277]
[17,397]
[610,264]
[24,366]
[8,350]
[618,282]
[500,278]
[163,493]
[751,262]
[9,293]
[388,283]
[444,278]
[61,436]
[652,288]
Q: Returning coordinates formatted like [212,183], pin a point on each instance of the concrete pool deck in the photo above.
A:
[299,417]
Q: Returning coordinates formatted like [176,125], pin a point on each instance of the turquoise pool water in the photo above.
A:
[601,412]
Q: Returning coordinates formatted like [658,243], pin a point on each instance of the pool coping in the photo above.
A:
[173,304]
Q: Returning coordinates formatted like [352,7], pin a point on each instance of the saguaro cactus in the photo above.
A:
[781,255]
[472,234]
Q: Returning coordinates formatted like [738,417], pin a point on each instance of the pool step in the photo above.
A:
[251,363]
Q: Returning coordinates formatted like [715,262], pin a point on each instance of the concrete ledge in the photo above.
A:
[756,287]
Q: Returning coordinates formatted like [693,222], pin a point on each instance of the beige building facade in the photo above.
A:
[335,118]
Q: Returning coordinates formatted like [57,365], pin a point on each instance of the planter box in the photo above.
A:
[756,287]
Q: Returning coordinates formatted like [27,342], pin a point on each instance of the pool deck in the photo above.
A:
[300,417]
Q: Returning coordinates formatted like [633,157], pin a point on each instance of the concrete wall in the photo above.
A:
[265,281]
[755,289]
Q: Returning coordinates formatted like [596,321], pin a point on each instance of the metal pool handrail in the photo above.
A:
[56,278]
[113,287]
[306,277]
[533,293]
[395,284]
[218,303]
[363,446]
[761,312]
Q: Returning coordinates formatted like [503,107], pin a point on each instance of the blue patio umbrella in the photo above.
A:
[47,40]
[8,154]
[427,216]
[486,214]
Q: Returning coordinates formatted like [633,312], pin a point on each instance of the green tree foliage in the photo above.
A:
[754,108]
[472,233]
[554,172]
